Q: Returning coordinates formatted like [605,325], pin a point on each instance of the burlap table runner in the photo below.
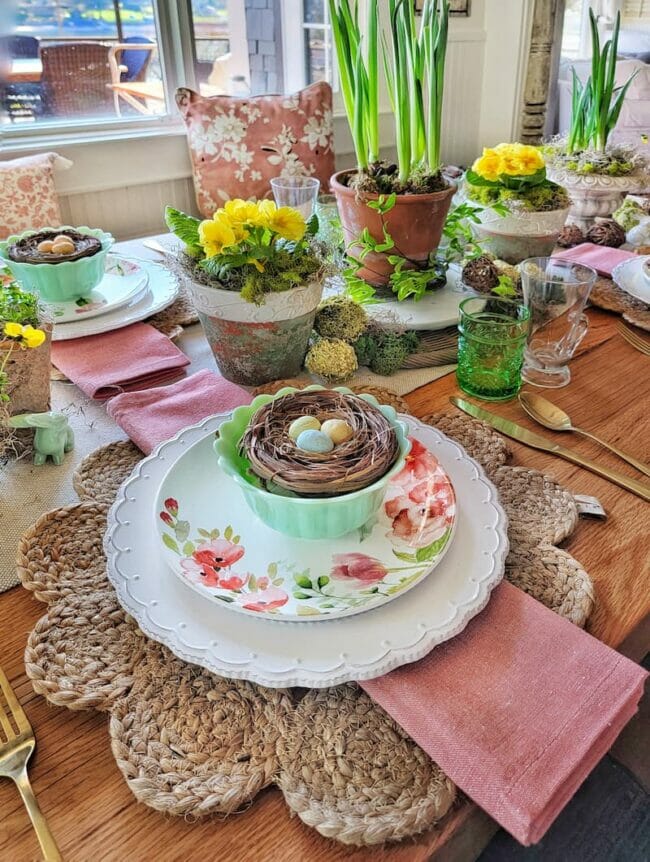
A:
[191,743]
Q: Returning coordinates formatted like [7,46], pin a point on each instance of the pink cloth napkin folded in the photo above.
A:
[153,415]
[517,710]
[599,257]
[119,361]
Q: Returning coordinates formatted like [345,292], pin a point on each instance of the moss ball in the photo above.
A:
[332,359]
[340,317]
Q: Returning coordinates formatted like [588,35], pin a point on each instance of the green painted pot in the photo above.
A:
[325,518]
[64,281]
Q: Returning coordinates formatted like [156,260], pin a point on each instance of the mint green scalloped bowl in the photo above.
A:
[303,518]
[65,281]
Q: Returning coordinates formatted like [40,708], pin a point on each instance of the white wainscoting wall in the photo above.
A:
[123,184]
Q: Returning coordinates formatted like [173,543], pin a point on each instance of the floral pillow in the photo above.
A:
[28,196]
[238,145]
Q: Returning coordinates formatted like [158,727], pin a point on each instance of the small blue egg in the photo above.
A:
[314,441]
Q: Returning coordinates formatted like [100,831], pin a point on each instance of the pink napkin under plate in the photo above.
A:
[153,415]
[517,710]
[598,257]
[123,360]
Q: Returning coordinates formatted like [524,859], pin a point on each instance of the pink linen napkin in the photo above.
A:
[153,415]
[517,710]
[119,361]
[599,257]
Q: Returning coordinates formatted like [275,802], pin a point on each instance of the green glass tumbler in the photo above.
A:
[492,334]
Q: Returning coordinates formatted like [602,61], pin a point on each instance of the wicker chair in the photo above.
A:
[76,79]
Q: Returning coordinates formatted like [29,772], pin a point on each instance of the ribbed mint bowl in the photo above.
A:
[60,282]
[324,518]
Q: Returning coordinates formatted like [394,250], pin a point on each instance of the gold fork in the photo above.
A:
[633,338]
[17,743]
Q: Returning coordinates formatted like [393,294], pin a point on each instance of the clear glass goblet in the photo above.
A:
[555,293]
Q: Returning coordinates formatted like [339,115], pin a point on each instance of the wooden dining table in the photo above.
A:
[88,805]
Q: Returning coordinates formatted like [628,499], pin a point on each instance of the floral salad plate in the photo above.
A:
[216,545]
[123,280]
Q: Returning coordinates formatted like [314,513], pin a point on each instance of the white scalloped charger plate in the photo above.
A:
[632,277]
[123,280]
[213,543]
[299,653]
[161,290]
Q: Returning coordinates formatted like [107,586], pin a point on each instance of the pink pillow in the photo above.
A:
[28,196]
[238,145]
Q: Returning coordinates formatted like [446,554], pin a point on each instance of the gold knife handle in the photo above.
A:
[632,485]
[640,466]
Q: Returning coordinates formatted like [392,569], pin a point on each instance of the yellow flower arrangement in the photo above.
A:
[509,160]
[255,245]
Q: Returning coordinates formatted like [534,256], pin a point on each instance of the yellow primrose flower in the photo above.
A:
[520,159]
[33,337]
[241,212]
[216,233]
[13,330]
[288,223]
[489,165]
[265,211]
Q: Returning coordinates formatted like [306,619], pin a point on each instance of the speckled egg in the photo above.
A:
[338,430]
[314,441]
[303,423]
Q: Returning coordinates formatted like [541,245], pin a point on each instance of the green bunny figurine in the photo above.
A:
[53,435]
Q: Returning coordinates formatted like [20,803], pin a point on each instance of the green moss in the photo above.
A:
[384,351]
[332,359]
[286,270]
[543,197]
[629,214]
[340,317]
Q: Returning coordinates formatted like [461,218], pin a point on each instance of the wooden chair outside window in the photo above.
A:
[76,79]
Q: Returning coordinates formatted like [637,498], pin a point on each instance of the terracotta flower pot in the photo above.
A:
[415,223]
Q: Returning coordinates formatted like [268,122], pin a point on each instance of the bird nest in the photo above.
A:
[358,462]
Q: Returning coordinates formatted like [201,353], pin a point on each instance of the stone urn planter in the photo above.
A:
[594,195]
[415,223]
[253,344]
[518,236]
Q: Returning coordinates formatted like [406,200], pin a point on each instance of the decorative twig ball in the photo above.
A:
[606,232]
[353,446]
[481,274]
[570,235]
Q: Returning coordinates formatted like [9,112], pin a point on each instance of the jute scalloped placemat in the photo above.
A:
[607,295]
[191,743]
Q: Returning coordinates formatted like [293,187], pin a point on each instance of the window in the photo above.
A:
[307,40]
[318,41]
[78,66]
[79,60]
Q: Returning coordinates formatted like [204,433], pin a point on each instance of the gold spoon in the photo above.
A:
[550,416]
